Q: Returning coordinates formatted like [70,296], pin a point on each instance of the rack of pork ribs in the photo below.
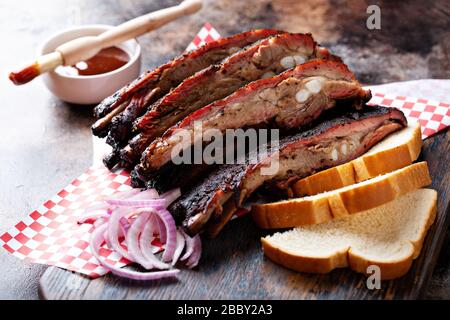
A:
[256,79]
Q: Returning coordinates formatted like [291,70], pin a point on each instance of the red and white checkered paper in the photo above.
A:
[433,116]
[206,34]
[51,235]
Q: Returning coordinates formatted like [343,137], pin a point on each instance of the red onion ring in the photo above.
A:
[146,246]
[91,216]
[132,240]
[126,194]
[196,254]
[162,234]
[114,229]
[101,208]
[106,237]
[100,221]
[95,245]
[189,246]
[124,226]
[171,231]
[179,248]
[171,196]
[146,195]
[152,203]
[136,217]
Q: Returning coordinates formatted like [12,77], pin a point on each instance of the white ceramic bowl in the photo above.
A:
[90,89]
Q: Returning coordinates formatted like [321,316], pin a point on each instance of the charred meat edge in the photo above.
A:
[183,176]
[150,79]
[211,203]
[219,81]
[120,124]
[267,100]
[131,101]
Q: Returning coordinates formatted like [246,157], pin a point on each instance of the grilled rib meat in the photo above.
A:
[263,59]
[158,82]
[335,140]
[172,73]
[120,110]
[289,100]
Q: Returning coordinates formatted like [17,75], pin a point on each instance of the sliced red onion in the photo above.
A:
[153,221]
[189,245]
[125,194]
[179,248]
[100,205]
[101,208]
[93,212]
[95,244]
[171,232]
[151,203]
[114,229]
[132,240]
[100,221]
[106,237]
[137,217]
[146,246]
[162,233]
[158,232]
[196,254]
[171,196]
[124,226]
[146,195]
[92,216]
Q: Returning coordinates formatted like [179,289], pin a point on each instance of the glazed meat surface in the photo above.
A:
[289,100]
[337,138]
[265,58]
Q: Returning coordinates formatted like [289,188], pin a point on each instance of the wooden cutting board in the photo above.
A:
[234,267]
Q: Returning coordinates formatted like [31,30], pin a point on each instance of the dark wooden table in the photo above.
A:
[45,143]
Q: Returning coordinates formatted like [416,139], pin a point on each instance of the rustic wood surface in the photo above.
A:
[46,142]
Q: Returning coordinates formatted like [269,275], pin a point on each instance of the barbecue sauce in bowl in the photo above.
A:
[106,60]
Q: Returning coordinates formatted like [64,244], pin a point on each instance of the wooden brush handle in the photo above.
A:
[86,47]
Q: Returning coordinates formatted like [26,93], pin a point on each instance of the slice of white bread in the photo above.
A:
[342,202]
[396,151]
[389,236]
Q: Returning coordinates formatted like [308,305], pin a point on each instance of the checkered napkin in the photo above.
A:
[432,115]
[206,34]
[51,235]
